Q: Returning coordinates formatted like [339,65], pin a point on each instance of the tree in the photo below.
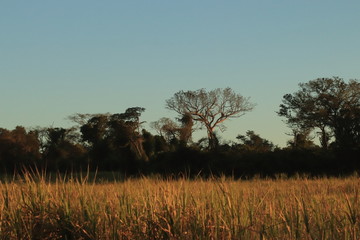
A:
[328,104]
[301,139]
[166,128]
[114,140]
[61,152]
[253,142]
[126,130]
[210,109]
[186,129]
[18,149]
[154,145]
[172,131]
[94,130]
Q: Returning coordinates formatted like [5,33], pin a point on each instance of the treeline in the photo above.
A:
[328,108]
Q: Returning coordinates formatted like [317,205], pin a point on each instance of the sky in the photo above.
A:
[58,58]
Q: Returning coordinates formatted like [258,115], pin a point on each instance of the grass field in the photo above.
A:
[150,208]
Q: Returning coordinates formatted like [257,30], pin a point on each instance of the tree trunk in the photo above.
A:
[213,141]
[324,138]
[137,147]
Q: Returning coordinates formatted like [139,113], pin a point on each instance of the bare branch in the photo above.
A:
[210,108]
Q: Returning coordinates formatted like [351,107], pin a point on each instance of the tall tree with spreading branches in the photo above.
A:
[210,108]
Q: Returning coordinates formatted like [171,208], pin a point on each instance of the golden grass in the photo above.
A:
[146,208]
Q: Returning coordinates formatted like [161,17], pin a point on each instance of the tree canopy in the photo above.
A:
[328,104]
[253,142]
[210,108]
[328,107]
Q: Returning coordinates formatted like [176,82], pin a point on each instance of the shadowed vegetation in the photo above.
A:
[325,107]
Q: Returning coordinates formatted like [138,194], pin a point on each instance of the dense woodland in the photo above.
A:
[327,109]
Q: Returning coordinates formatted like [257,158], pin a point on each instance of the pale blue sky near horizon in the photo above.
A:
[58,58]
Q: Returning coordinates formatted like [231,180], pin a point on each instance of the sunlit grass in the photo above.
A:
[150,208]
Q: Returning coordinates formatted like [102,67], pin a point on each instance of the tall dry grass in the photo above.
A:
[150,208]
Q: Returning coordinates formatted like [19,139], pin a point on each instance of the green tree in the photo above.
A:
[210,108]
[328,105]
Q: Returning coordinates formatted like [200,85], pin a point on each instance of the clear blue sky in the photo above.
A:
[58,58]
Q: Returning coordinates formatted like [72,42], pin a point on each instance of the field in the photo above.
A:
[151,208]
